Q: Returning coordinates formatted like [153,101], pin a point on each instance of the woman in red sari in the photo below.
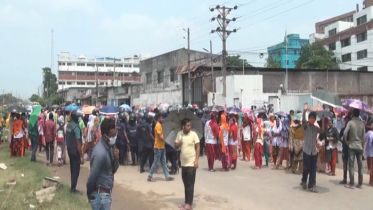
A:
[232,143]
[18,133]
[211,133]
[258,152]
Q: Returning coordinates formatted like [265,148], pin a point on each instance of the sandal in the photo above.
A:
[151,180]
[349,186]
[359,186]
[182,206]
[304,185]
[312,190]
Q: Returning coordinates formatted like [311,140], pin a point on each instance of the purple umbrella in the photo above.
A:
[356,104]
[234,110]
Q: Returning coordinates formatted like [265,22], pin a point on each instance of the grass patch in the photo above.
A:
[22,194]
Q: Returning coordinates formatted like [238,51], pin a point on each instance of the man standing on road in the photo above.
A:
[354,134]
[159,151]
[190,150]
[34,137]
[74,145]
[104,164]
[50,135]
[310,149]
[344,151]
[122,139]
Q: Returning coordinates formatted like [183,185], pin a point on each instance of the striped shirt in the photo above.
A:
[310,134]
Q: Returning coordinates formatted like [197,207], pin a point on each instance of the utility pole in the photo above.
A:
[224,34]
[189,79]
[96,85]
[212,75]
[115,102]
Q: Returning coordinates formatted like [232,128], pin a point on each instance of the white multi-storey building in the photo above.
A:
[349,37]
[82,72]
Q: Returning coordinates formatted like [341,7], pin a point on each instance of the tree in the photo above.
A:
[272,63]
[34,98]
[49,82]
[55,99]
[236,61]
[315,56]
[41,101]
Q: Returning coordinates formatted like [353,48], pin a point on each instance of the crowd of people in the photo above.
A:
[306,144]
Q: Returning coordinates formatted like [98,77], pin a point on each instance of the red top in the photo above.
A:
[49,131]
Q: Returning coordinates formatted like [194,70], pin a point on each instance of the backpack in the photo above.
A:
[60,133]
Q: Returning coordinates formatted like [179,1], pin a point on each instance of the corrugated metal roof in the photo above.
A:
[183,69]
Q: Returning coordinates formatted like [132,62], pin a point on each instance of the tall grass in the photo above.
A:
[22,194]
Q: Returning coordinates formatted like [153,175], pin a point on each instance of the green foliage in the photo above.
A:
[34,98]
[272,63]
[41,101]
[8,98]
[236,61]
[49,82]
[55,99]
[315,56]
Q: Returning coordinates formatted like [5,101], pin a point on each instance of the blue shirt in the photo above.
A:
[121,128]
[369,144]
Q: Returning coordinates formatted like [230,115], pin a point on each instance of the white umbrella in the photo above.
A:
[172,125]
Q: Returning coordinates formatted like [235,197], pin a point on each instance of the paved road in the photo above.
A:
[247,189]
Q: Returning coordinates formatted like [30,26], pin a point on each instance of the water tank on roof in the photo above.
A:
[81,56]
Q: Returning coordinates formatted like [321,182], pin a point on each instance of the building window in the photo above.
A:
[101,74]
[81,73]
[91,74]
[362,54]
[61,64]
[109,74]
[332,46]
[279,53]
[80,64]
[361,37]
[160,76]
[346,42]
[363,68]
[333,32]
[100,65]
[61,83]
[69,64]
[173,75]
[68,83]
[287,62]
[361,20]
[346,57]
[80,83]
[149,78]
[118,65]
[91,64]
[295,52]
[109,65]
[136,66]
[102,83]
[127,66]
[90,83]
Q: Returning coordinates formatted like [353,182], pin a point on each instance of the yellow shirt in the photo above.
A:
[188,150]
[158,144]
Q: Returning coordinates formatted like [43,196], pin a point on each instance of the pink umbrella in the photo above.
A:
[246,110]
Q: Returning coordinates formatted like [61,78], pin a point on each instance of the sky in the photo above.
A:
[119,28]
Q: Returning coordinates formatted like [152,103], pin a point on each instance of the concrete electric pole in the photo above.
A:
[189,79]
[224,34]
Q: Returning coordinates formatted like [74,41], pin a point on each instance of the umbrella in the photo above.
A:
[256,111]
[71,108]
[172,125]
[281,114]
[340,110]
[126,107]
[150,108]
[85,105]
[55,106]
[34,117]
[109,110]
[234,110]
[215,108]
[356,104]
[17,109]
[88,109]
[316,109]
[327,98]
[163,106]
[246,110]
